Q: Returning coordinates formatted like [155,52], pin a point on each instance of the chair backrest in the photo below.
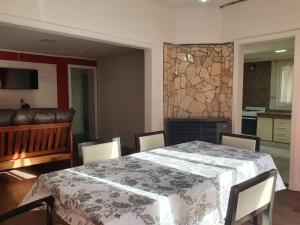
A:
[240,141]
[48,200]
[151,140]
[251,197]
[95,151]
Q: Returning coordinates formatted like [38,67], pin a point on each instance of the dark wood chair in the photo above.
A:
[251,198]
[48,201]
[150,140]
[240,141]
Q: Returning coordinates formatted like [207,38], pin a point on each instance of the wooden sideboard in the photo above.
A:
[185,130]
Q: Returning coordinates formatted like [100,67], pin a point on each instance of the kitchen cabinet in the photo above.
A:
[265,127]
[282,130]
[273,127]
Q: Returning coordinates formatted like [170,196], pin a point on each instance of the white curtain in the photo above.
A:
[286,73]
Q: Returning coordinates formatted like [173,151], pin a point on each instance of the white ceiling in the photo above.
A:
[192,3]
[263,51]
[15,38]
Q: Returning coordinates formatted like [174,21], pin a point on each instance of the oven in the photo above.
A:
[249,119]
[249,125]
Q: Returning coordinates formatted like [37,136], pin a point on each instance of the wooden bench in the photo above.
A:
[26,145]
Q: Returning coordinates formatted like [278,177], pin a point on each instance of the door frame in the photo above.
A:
[237,100]
[94,69]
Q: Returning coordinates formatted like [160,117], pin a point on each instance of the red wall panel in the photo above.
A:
[61,67]
[62,85]
[8,55]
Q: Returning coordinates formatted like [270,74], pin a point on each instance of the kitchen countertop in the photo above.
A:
[275,113]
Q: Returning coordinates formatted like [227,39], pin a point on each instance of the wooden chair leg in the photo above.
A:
[267,217]
[255,220]
[50,213]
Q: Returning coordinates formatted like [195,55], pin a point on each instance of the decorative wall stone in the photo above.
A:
[257,84]
[198,81]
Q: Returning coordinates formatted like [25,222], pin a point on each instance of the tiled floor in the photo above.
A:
[281,155]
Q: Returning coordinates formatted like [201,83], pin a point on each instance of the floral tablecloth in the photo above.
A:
[183,184]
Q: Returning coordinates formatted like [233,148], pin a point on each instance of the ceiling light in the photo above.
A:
[203,1]
[280,51]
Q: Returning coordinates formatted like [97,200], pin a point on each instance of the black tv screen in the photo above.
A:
[12,78]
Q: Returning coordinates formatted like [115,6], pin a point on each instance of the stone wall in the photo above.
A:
[257,84]
[198,81]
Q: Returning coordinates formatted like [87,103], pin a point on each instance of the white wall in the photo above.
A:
[198,25]
[121,97]
[132,19]
[139,23]
[247,19]
[258,17]
[147,25]
[45,96]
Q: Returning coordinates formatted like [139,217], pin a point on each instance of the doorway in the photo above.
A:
[239,46]
[267,98]
[83,94]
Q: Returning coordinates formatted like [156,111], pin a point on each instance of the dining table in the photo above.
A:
[184,184]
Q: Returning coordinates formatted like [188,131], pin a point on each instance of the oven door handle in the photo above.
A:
[249,118]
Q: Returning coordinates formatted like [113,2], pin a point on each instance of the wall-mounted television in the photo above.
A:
[15,78]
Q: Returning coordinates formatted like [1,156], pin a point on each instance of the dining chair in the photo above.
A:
[251,198]
[95,151]
[150,140]
[240,141]
[48,201]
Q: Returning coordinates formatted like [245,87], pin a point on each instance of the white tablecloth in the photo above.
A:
[178,185]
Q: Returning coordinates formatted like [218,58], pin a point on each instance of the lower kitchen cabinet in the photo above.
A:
[265,128]
[282,130]
[274,128]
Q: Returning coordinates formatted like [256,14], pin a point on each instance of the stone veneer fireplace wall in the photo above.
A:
[198,80]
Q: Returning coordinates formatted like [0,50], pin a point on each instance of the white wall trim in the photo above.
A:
[70,31]
[238,95]
[94,69]
[148,91]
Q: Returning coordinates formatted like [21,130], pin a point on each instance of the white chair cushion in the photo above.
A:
[151,142]
[254,198]
[237,142]
[100,152]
